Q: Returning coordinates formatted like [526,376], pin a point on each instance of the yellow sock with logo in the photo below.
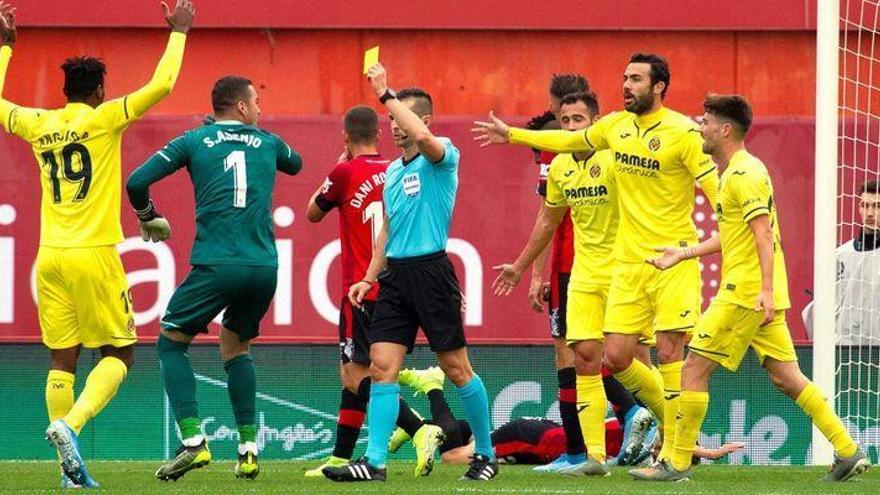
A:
[59,393]
[813,403]
[671,373]
[643,383]
[101,386]
[692,407]
[591,409]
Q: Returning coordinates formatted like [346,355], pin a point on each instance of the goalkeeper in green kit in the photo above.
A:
[232,164]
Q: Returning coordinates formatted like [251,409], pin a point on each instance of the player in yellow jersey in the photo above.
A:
[658,158]
[82,293]
[749,309]
[586,183]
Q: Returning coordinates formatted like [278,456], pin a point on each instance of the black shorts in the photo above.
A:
[354,323]
[415,292]
[558,304]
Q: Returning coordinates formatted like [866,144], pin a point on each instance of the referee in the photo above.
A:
[418,286]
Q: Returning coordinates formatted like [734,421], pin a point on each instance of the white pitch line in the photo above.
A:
[274,400]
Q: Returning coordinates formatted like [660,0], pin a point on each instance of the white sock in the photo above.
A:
[193,441]
[244,448]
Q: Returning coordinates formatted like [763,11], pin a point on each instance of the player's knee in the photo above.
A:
[64,360]
[124,354]
[383,370]
[617,361]
[459,372]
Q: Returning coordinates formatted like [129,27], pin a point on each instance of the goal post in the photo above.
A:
[825,216]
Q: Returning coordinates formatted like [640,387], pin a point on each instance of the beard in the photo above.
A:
[639,104]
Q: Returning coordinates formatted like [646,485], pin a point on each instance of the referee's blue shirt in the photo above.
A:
[419,197]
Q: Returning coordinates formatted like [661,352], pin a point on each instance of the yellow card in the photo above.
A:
[371,58]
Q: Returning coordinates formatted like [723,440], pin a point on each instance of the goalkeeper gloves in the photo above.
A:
[153,225]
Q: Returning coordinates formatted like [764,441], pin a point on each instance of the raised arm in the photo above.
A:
[429,146]
[7,38]
[136,104]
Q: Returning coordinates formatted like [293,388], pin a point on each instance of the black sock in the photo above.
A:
[408,420]
[622,399]
[352,409]
[574,438]
[442,416]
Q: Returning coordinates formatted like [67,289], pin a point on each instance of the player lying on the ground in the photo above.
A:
[355,186]
[83,297]
[232,164]
[520,441]
[749,309]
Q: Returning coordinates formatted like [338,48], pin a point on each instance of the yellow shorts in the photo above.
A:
[585,315]
[727,330]
[83,298]
[643,300]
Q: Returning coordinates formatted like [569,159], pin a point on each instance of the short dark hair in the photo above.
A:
[424,104]
[82,77]
[228,91]
[361,124]
[872,186]
[733,108]
[563,84]
[588,98]
[659,68]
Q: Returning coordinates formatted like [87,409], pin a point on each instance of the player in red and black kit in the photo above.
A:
[354,186]
[520,440]
[560,253]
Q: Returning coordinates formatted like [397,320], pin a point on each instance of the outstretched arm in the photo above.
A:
[496,131]
[180,19]
[429,146]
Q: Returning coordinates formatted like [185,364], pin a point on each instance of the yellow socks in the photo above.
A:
[643,383]
[692,407]
[671,373]
[813,403]
[101,386]
[591,407]
[59,393]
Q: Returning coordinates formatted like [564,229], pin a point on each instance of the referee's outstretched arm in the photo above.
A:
[414,126]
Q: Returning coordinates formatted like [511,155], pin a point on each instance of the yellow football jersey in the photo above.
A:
[746,192]
[659,158]
[589,188]
[78,149]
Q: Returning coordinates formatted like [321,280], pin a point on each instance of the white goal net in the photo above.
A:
[847,311]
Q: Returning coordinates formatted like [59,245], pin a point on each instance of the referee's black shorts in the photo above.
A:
[421,291]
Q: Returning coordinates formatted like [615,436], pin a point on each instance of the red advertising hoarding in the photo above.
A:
[494,213]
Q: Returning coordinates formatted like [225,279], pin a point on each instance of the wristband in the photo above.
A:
[367,281]
[389,94]
[148,213]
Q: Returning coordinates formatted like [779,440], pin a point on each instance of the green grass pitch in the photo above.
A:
[287,477]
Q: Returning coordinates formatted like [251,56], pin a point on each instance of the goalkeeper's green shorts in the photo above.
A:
[245,292]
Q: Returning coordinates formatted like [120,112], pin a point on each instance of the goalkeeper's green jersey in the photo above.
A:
[232,167]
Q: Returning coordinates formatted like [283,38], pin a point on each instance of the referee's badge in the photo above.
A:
[411,184]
